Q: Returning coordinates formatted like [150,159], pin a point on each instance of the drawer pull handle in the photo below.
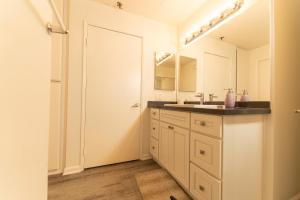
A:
[171,127]
[201,188]
[202,152]
[202,123]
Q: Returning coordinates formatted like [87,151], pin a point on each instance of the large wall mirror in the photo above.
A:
[165,71]
[235,55]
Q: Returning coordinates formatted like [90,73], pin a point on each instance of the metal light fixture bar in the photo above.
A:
[163,58]
[214,22]
[60,21]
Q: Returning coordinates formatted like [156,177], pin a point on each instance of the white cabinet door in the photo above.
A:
[154,128]
[203,186]
[174,151]
[165,137]
[154,148]
[180,155]
[206,152]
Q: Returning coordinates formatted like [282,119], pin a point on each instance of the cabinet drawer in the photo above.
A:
[206,153]
[204,186]
[207,124]
[181,119]
[154,112]
[154,128]
[154,148]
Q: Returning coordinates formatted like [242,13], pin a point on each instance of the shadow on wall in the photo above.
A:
[37,6]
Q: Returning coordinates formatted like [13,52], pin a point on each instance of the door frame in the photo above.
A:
[84,85]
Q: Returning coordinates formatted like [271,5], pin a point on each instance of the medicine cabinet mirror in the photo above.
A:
[165,71]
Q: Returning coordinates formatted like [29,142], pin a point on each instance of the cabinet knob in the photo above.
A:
[171,127]
[297,111]
[202,152]
[203,123]
[153,148]
[201,188]
[154,113]
[153,128]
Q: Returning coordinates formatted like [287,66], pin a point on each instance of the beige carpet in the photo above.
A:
[159,185]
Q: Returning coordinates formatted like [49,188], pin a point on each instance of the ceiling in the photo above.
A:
[168,11]
[249,30]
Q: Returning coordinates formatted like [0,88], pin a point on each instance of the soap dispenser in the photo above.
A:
[245,97]
[230,99]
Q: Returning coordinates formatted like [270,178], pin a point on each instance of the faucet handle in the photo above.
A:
[212,96]
[199,94]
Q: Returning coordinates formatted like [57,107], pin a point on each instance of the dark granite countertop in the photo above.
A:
[243,108]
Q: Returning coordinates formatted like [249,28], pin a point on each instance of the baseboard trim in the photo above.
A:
[297,197]
[54,172]
[72,170]
[146,157]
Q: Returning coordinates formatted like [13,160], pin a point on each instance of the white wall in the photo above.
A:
[259,58]
[57,94]
[156,37]
[242,70]
[187,78]
[24,85]
[248,63]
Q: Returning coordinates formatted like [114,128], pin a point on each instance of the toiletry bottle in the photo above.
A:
[230,99]
[245,97]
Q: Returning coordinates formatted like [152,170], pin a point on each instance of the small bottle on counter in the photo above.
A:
[230,99]
[245,96]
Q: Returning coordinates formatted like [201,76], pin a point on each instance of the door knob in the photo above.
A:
[136,105]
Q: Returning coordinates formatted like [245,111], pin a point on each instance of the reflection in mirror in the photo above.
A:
[216,68]
[249,32]
[187,74]
[165,67]
[235,55]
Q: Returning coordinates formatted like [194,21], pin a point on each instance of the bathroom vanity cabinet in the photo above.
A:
[213,157]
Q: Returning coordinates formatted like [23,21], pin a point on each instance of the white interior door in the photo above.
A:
[112,123]
[218,73]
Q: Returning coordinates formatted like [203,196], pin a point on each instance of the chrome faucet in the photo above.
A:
[211,97]
[201,95]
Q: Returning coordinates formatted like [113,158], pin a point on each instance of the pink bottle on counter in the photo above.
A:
[245,96]
[230,99]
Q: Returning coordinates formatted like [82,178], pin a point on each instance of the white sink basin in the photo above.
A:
[210,106]
[196,106]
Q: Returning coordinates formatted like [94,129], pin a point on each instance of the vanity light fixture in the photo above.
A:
[160,58]
[214,22]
